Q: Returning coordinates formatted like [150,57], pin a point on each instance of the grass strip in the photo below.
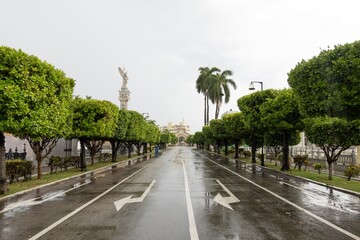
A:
[340,182]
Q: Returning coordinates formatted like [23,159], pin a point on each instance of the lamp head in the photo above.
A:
[251,86]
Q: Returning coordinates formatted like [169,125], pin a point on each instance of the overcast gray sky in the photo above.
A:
[162,43]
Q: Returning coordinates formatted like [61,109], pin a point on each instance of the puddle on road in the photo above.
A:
[314,194]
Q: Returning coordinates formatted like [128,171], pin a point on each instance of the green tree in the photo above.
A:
[250,106]
[153,134]
[328,86]
[219,91]
[333,136]
[203,83]
[219,134]
[199,140]
[93,122]
[208,137]
[120,133]
[174,139]
[34,98]
[136,133]
[235,129]
[189,140]
[165,138]
[274,142]
[281,116]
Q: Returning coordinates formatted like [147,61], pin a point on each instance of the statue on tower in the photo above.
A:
[124,93]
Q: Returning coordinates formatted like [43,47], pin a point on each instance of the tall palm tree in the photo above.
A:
[219,88]
[203,82]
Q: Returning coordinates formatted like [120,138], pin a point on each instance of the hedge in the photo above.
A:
[15,169]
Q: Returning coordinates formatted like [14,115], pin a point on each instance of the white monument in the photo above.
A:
[124,93]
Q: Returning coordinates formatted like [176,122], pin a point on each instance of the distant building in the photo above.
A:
[64,147]
[181,130]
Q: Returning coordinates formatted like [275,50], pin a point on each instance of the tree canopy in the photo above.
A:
[250,106]
[93,120]
[35,99]
[328,86]
[280,116]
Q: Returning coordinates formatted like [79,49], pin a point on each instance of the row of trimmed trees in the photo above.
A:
[324,101]
[37,105]
[269,117]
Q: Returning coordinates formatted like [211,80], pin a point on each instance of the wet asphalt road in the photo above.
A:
[183,194]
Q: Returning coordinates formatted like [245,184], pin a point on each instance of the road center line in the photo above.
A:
[292,204]
[83,206]
[192,223]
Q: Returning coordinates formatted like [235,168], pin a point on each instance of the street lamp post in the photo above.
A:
[251,87]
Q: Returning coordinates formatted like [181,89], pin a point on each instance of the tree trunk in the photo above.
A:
[236,150]
[92,159]
[38,158]
[330,170]
[129,150]
[285,161]
[138,149]
[205,112]
[39,161]
[114,149]
[38,147]
[144,148]
[226,148]
[82,155]
[253,151]
[3,182]
[217,110]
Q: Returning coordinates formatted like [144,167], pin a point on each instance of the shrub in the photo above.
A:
[73,161]
[63,163]
[352,171]
[54,163]
[318,167]
[247,154]
[15,169]
[300,160]
[105,156]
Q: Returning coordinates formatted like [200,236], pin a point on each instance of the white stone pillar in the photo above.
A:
[358,155]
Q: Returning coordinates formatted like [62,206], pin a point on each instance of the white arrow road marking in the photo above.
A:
[225,201]
[37,201]
[120,203]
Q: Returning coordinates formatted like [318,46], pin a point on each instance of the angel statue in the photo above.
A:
[123,74]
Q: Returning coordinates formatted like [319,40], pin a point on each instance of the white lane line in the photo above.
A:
[293,204]
[37,201]
[82,207]
[192,223]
